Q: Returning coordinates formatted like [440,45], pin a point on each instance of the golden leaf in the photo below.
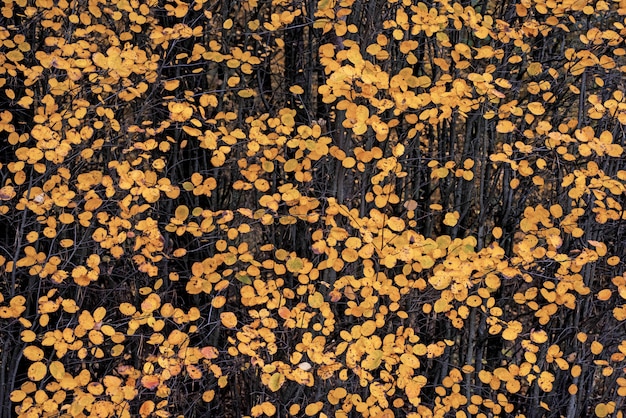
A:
[229,320]
[601,410]
[33,353]
[17,396]
[373,360]
[208,396]
[349,255]
[96,337]
[296,89]
[151,303]
[596,348]
[396,224]
[313,408]
[268,408]
[539,337]
[27,335]
[179,252]
[545,381]
[170,85]
[451,219]
[604,294]
[14,55]
[505,126]
[127,309]
[512,331]
[37,371]
[536,108]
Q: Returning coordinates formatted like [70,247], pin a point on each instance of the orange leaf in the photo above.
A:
[150,381]
[209,352]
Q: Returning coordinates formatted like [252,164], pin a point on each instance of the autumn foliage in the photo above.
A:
[334,208]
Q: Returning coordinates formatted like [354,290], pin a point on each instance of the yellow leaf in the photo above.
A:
[229,320]
[246,93]
[170,85]
[512,331]
[37,371]
[604,294]
[536,108]
[534,68]
[150,194]
[601,410]
[410,360]
[373,360]
[14,55]
[96,337]
[268,408]
[539,337]
[296,89]
[545,381]
[99,313]
[208,395]
[33,353]
[349,255]
[152,303]
[396,224]
[18,396]
[127,309]
[313,408]
[492,281]
[596,348]
[368,328]
[505,126]
[28,336]
[451,219]
[613,260]
[218,301]
[316,300]
[474,301]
